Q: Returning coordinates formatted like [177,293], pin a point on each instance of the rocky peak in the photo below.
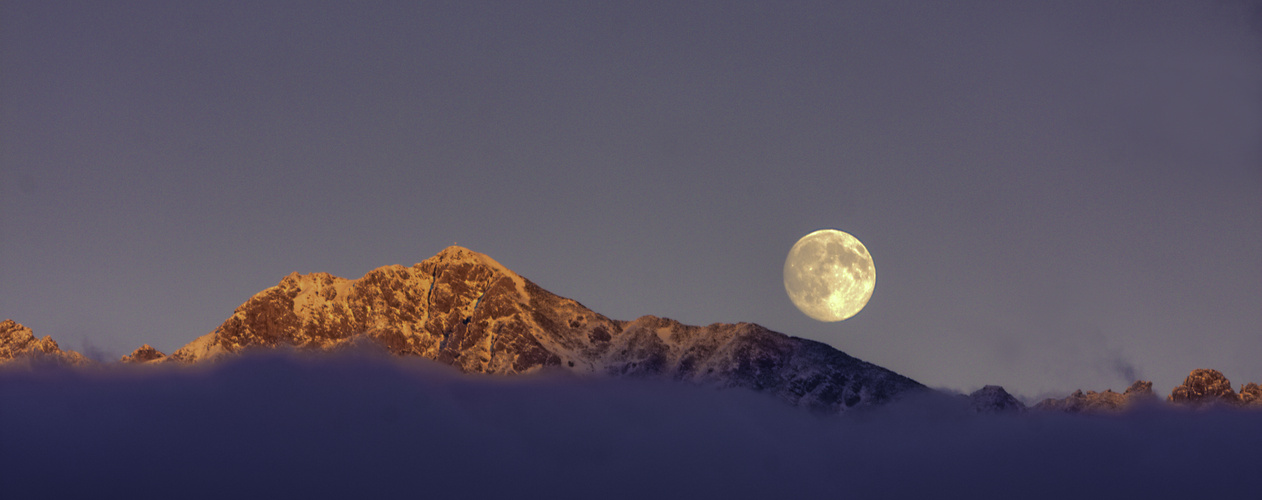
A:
[459,254]
[143,354]
[1108,401]
[1204,387]
[463,308]
[18,343]
[994,399]
[460,307]
[1251,394]
[1141,389]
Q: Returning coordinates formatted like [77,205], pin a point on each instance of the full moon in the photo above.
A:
[829,275]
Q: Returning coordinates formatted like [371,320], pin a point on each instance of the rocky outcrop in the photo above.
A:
[994,399]
[464,309]
[18,344]
[1205,387]
[458,307]
[1251,395]
[1201,388]
[143,354]
[1138,393]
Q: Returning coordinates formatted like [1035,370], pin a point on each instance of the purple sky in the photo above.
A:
[1057,195]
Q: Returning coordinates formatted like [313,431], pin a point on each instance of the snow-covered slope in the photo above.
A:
[465,309]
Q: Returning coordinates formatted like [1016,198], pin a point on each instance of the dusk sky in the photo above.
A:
[1057,195]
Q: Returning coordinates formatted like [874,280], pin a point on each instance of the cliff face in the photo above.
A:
[1251,394]
[1208,387]
[464,309]
[459,307]
[18,344]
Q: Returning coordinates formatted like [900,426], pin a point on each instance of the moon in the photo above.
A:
[829,275]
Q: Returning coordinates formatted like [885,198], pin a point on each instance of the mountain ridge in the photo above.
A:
[18,343]
[464,309]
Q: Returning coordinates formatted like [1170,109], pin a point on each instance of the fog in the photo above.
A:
[363,426]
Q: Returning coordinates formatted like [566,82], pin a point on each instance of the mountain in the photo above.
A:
[143,354]
[1251,394]
[464,309]
[1138,393]
[994,399]
[1202,387]
[18,344]
[1205,387]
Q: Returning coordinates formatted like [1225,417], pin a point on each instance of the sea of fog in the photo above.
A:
[360,426]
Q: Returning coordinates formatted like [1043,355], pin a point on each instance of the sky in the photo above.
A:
[1057,196]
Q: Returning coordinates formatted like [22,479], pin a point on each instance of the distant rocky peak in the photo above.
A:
[1139,393]
[18,343]
[1139,389]
[12,332]
[1251,394]
[994,399]
[143,354]
[1204,387]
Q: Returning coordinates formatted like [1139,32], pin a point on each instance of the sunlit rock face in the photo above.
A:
[1251,395]
[18,344]
[459,307]
[143,354]
[464,309]
[1203,387]
[1208,387]
[1138,393]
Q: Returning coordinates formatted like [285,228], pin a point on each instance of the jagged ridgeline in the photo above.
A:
[18,343]
[1202,388]
[464,309]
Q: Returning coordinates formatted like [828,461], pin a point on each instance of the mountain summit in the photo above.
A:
[18,343]
[464,309]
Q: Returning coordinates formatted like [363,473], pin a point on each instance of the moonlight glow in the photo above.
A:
[829,275]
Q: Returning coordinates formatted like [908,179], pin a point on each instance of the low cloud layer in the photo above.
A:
[367,427]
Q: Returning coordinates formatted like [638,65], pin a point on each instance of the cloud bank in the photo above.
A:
[366,427]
